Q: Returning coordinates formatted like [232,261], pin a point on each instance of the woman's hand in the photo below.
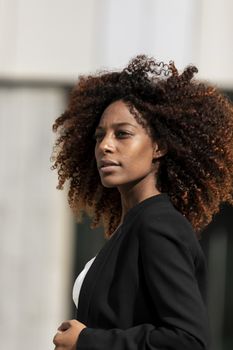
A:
[67,335]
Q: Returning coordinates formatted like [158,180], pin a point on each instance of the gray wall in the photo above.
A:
[45,45]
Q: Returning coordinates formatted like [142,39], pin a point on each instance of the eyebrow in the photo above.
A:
[118,124]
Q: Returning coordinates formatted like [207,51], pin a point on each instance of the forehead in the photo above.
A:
[117,112]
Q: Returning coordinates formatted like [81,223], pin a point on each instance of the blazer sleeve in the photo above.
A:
[166,249]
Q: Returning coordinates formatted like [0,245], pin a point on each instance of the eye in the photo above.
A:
[122,134]
[98,136]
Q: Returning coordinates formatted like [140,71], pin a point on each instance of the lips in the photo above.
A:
[107,163]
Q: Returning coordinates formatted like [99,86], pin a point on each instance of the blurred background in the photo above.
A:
[44,46]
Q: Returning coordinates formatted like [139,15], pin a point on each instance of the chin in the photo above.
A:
[109,184]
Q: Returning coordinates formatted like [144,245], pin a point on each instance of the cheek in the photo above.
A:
[95,152]
[139,157]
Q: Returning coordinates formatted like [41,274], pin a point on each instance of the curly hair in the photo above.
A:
[192,118]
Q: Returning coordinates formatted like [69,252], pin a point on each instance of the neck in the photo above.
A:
[134,194]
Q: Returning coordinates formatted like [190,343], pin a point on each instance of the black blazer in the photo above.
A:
[146,289]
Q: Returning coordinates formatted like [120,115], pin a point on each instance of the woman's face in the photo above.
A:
[124,150]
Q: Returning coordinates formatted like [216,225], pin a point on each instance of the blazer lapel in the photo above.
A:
[92,276]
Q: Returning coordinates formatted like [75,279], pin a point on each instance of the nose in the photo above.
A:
[106,145]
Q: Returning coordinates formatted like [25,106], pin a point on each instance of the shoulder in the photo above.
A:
[158,224]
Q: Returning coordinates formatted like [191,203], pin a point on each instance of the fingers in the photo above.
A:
[67,334]
[64,326]
[56,340]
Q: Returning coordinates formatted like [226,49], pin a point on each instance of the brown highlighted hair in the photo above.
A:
[193,119]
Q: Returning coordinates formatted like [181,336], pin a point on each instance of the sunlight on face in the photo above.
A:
[124,149]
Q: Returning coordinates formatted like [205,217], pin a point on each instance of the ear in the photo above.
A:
[159,150]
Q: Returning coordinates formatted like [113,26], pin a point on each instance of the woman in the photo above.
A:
[149,154]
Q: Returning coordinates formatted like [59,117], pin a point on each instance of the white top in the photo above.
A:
[79,280]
